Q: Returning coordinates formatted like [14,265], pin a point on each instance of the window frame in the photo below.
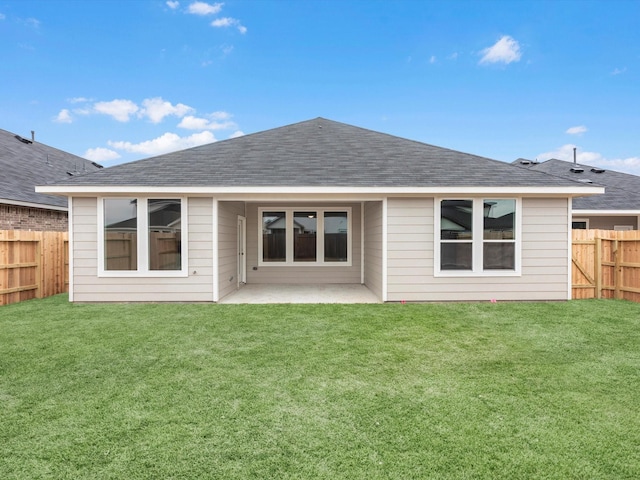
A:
[477,240]
[143,270]
[320,211]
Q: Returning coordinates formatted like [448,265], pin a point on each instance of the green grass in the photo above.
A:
[447,391]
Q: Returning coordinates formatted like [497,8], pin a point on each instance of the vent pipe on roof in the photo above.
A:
[574,156]
[33,135]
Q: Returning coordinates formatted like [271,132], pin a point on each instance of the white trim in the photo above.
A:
[279,191]
[361,243]
[214,245]
[477,241]
[570,250]
[241,241]
[289,212]
[385,242]
[618,213]
[41,206]
[71,248]
[143,241]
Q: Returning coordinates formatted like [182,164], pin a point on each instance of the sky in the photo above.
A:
[116,81]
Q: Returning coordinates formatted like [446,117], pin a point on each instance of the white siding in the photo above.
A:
[302,274]
[228,246]
[373,247]
[410,265]
[196,287]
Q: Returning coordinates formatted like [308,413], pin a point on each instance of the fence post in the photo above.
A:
[598,266]
[39,269]
[617,269]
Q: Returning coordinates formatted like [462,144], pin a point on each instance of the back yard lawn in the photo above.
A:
[507,390]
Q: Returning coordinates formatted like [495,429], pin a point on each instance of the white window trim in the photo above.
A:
[143,241]
[477,240]
[320,236]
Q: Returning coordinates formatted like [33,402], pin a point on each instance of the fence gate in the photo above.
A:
[606,264]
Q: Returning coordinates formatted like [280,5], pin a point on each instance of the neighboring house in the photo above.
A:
[617,209]
[25,163]
[322,202]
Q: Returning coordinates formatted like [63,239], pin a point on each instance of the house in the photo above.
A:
[321,202]
[25,163]
[617,209]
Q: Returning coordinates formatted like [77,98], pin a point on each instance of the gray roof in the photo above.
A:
[622,190]
[25,164]
[317,153]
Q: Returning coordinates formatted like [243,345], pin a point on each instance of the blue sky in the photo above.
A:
[116,81]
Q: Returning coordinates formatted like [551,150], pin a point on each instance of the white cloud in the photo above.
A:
[433,59]
[157,108]
[216,121]
[172,5]
[168,142]
[101,155]
[627,165]
[229,22]
[120,110]
[64,116]
[236,134]
[565,152]
[505,50]
[578,130]
[619,71]
[78,100]
[453,56]
[203,8]
[32,22]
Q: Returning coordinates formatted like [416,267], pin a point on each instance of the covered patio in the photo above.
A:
[300,293]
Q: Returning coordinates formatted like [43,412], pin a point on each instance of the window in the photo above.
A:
[580,224]
[274,238]
[477,236]
[141,236]
[303,236]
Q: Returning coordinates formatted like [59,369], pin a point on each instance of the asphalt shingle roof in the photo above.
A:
[25,164]
[622,190]
[317,152]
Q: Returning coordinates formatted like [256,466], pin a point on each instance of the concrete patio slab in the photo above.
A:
[285,293]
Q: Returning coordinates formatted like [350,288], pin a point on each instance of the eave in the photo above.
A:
[249,192]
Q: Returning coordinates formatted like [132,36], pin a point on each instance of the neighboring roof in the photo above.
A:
[25,164]
[316,153]
[622,190]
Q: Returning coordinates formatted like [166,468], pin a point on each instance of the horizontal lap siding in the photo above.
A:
[88,287]
[296,273]
[411,248]
[228,213]
[373,247]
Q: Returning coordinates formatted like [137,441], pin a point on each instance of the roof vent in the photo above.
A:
[577,169]
[585,180]
[23,140]
[598,170]
[525,162]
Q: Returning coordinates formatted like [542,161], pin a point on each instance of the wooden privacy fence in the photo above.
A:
[606,264]
[32,265]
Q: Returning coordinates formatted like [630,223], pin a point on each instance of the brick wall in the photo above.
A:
[13,217]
